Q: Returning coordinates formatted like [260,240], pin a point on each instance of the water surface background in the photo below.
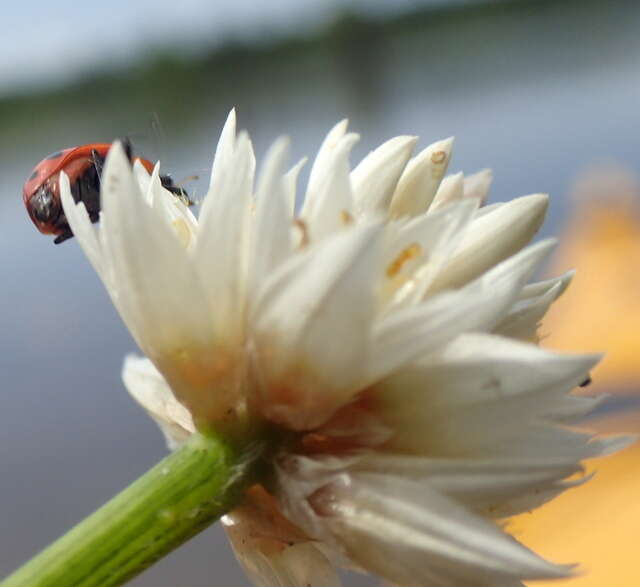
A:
[536,90]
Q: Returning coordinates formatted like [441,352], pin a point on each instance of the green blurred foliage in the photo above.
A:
[179,89]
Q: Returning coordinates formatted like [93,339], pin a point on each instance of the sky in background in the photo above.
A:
[46,42]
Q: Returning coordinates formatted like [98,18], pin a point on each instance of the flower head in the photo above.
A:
[386,330]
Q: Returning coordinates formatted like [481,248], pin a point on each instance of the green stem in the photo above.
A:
[176,499]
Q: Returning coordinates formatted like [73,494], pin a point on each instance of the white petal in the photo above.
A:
[451,189]
[490,208]
[298,565]
[85,232]
[375,179]
[492,238]
[333,207]
[478,184]
[410,534]
[437,235]
[319,169]
[290,182]
[172,209]
[221,252]
[523,319]
[311,327]
[541,288]
[421,178]
[143,178]
[149,388]
[416,330]
[491,487]
[272,242]
[224,152]
[503,394]
[272,551]
[156,287]
[520,266]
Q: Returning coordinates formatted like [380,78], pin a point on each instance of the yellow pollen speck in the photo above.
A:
[304,232]
[346,217]
[408,253]
[182,231]
[438,157]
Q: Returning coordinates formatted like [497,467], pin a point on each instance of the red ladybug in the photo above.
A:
[83,166]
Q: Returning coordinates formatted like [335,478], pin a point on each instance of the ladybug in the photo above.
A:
[83,165]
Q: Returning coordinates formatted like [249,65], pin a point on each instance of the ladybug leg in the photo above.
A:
[167,184]
[66,235]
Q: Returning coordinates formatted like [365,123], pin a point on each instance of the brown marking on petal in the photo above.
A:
[298,398]
[193,372]
[299,405]
[257,524]
[219,366]
[438,157]
[304,232]
[346,218]
[408,253]
[354,427]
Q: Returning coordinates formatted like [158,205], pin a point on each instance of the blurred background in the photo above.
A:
[544,92]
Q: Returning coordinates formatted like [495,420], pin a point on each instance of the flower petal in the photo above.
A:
[85,232]
[224,151]
[143,177]
[333,208]
[319,168]
[504,395]
[410,332]
[172,209]
[477,185]
[272,242]
[155,286]
[451,189]
[525,316]
[321,295]
[541,288]
[409,533]
[420,180]
[436,235]
[375,178]
[221,252]
[494,488]
[290,182]
[492,238]
[272,551]
[149,388]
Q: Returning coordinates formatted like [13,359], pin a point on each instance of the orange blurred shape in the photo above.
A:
[598,524]
[601,308]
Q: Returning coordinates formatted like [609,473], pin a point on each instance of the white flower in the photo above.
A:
[387,327]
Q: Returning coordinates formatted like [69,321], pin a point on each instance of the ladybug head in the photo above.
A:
[45,208]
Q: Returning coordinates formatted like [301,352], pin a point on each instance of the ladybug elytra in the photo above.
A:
[83,165]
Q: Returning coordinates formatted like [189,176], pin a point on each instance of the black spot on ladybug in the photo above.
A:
[55,155]
[33,175]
